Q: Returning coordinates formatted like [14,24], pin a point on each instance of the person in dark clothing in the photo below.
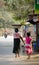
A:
[17,38]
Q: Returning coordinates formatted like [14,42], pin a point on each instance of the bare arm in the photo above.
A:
[22,39]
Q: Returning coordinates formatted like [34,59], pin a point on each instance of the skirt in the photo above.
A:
[28,49]
[16,47]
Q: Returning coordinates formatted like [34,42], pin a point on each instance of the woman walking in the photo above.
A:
[17,37]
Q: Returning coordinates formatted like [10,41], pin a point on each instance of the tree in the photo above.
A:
[18,8]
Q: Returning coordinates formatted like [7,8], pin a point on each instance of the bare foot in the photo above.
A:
[15,56]
[28,58]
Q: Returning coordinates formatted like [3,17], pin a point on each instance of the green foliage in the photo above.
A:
[18,8]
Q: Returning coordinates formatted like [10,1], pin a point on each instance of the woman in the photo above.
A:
[17,37]
[28,46]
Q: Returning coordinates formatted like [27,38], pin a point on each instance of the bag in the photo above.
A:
[5,35]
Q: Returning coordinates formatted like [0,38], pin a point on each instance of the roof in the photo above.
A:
[31,18]
[16,25]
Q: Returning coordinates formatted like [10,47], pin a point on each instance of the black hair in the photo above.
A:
[28,34]
[16,29]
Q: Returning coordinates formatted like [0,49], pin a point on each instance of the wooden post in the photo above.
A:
[37,35]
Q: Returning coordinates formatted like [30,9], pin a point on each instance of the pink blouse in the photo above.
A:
[28,40]
[16,35]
